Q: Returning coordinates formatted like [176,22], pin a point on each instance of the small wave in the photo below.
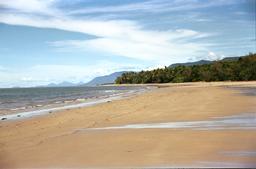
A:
[68,101]
[109,91]
[81,100]
[19,108]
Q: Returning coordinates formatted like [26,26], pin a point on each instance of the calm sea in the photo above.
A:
[23,99]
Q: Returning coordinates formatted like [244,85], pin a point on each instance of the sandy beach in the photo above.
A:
[83,137]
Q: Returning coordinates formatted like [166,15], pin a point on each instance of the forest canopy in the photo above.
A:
[240,69]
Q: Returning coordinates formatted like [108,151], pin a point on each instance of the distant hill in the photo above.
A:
[63,84]
[202,62]
[231,58]
[108,79]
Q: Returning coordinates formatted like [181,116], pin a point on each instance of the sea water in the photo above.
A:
[18,100]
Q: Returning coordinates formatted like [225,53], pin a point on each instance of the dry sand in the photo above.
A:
[53,140]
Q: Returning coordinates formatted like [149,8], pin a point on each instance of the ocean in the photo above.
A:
[18,100]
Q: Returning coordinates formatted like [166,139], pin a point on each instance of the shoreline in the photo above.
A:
[199,125]
[105,99]
[89,102]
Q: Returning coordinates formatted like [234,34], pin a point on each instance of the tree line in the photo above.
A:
[242,69]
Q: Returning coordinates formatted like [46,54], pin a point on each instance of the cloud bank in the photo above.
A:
[124,38]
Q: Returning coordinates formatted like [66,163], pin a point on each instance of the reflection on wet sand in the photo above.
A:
[234,122]
[245,121]
[225,164]
[240,153]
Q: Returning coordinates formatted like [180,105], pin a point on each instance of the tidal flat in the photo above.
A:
[175,125]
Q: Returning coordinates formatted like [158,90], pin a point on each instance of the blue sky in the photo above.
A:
[45,41]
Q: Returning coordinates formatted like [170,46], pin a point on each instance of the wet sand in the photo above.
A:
[88,137]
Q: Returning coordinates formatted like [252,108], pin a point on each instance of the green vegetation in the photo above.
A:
[242,69]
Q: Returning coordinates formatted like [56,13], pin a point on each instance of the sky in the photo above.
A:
[51,41]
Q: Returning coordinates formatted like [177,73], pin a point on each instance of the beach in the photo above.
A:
[174,125]
[16,103]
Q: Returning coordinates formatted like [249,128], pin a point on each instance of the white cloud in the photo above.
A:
[213,56]
[30,6]
[162,53]
[123,38]
[160,47]
[27,79]
[117,37]
[115,28]
[154,6]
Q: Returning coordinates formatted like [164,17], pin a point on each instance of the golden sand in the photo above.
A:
[52,141]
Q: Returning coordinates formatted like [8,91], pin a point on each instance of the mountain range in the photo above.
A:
[110,79]
[64,84]
[107,79]
[202,62]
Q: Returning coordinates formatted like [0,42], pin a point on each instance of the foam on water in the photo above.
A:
[28,114]
[13,100]
[45,111]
